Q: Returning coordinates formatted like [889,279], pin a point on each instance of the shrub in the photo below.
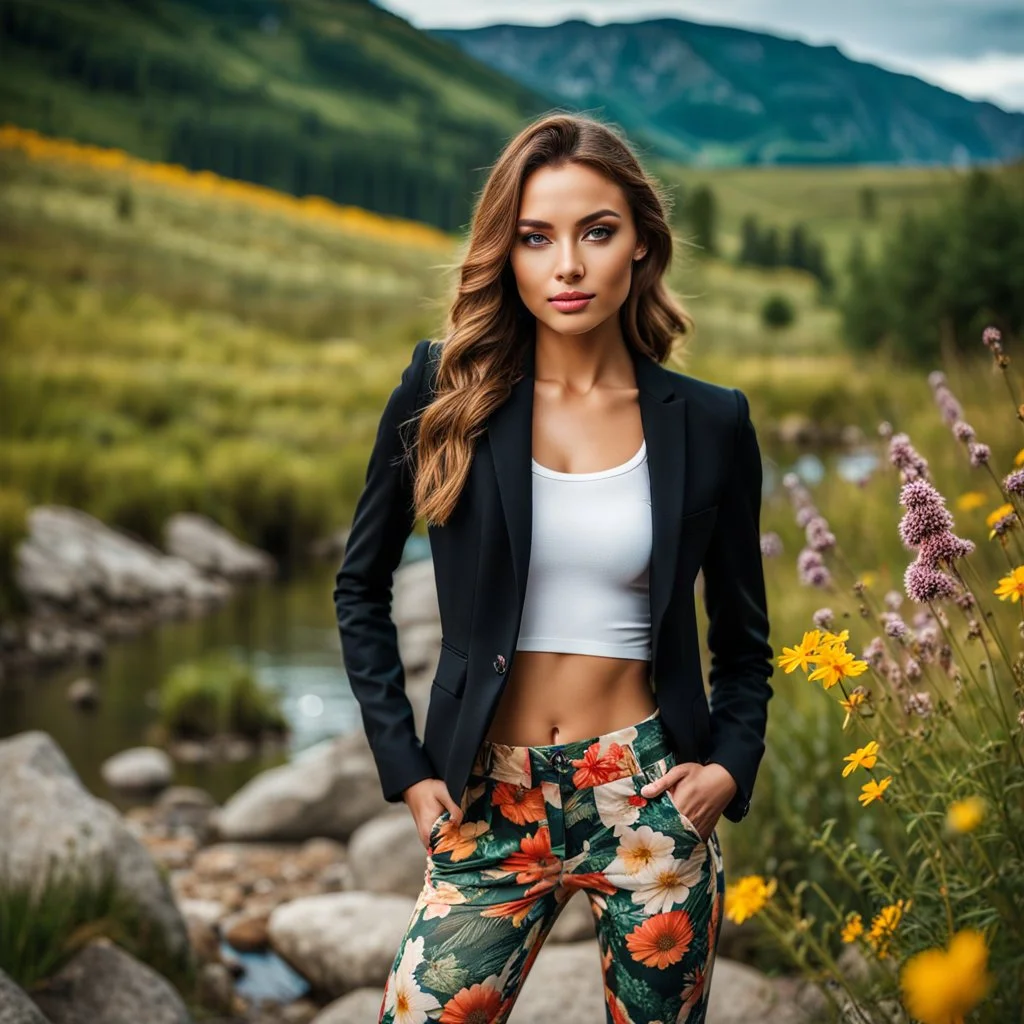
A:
[217,694]
[777,312]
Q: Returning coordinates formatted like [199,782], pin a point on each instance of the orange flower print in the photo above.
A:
[595,881]
[479,1004]
[533,860]
[459,839]
[693,992]
[519,804]
[596,767]
[618,1012]
[661,940]
[518,909]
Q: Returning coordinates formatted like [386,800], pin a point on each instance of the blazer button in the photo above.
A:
[499,664]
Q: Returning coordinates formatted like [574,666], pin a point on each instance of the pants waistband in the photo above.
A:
[581,763]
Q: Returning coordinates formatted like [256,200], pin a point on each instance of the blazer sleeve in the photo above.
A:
[383,519]
[734,596]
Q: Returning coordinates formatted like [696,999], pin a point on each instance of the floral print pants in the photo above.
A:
[540,823]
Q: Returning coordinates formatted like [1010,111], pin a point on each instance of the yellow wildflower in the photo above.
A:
[872,790]
[1011,586]
[1018,459]
[883,926]
[994,516]
[747,897]
[868,578]
[965,815]
[804,654]
[851,703]
[831,641]
[862,757]
[835,663]
[971,500]
[853,928]
[942,986]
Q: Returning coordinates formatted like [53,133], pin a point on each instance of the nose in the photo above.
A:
[570,265]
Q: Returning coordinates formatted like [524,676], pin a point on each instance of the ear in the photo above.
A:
[640,252]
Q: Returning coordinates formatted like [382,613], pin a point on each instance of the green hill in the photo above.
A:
[716,95]
[329,97]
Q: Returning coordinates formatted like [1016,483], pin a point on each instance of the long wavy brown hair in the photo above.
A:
[488,325]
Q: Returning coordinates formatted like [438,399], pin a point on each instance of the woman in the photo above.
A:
[572,488]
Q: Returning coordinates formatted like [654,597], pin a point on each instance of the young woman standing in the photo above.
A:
[572,487]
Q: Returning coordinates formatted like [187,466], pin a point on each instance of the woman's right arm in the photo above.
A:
[383,519]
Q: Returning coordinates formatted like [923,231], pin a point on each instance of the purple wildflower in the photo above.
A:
[893,599]
[1013,483]
[912,669]
[920,704]
[771,544]
[980,453]
[894,626]
[823,618]
[924,584]
[943,549]
[963,431]
[818,534]
[906,458]
[1004,523]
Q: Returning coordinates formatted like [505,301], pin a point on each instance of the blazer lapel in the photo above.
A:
[662,412]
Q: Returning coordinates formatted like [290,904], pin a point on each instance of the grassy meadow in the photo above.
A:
[172,343]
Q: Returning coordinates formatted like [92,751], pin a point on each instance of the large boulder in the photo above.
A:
[327,790]
[104,985]
[357,1007]
[386,855]
[50,817]
[211,549]
[341,941]
[73,561]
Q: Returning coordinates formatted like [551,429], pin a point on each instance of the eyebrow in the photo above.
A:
[583,220]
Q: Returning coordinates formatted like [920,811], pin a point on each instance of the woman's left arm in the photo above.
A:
[737,609]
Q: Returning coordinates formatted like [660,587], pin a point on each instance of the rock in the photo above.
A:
[740,994]
[576,921]
[357,1007]
[71,559]
[214,551]
[248,932]
[15,1005]
[386,854]
[419,644]
[84,694]
[415,595]
[325,791]
[49,814]
[564,985]
[104,985]
[138,768]
[185,807]
[341,941]
[215,988]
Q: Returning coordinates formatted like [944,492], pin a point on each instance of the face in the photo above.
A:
[575,233]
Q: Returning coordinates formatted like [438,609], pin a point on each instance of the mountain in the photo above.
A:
[332,97]
[719,95]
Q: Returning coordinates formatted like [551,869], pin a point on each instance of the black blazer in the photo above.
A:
[705,472]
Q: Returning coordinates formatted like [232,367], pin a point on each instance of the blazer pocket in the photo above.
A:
[450,674]
[697,528]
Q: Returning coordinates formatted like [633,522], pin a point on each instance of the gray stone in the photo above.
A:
[386,855]
[415,595]
[564,986]
[138,768]
[15,1005]
[359,1007]
[48,815]
[214,551]
[341,941]
[104,985]
[576,921]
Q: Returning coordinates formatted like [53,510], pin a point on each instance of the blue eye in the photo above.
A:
[597,227]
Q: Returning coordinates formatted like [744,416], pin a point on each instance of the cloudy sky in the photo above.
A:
[973,47]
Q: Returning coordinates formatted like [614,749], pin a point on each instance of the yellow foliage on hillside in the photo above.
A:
[350,219]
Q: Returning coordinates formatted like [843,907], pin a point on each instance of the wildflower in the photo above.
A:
[991,336]
[902,454]
[812,569]
[980,453]
[965,601]
[747,897]
[965,815]
[874,652]
[819,536]
[853,927]
[912,669]
[924,583]
[941,986]
[894,626]
[801,656]
[970,500]
[920,704]
[1011,586]
[1001,521]
[944,549]
[835,639]
[862,757]
[851,703]
[1013,483]
[872,790]
[884,924]
[835,664]
[885,429]
[823,618]
[963,431]
[1018,459]
[926,513]
[771,544]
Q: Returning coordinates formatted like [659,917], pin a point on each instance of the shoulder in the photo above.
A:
[716,405]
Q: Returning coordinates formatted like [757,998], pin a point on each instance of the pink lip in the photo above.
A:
[571,302]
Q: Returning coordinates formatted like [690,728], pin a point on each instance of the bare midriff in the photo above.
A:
[551,697]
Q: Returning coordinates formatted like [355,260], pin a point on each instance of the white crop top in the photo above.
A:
[587,591]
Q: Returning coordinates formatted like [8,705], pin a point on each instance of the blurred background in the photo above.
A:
[224,224]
